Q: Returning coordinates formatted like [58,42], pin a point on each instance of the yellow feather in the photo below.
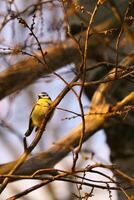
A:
[39,110]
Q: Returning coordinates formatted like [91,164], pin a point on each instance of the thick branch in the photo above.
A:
[29,69]
[59,150]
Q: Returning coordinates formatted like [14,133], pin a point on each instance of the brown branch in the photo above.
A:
[60,149]
[29,69]
[100,94]
[83,77]
[62,177]
[39,133]
[125,101]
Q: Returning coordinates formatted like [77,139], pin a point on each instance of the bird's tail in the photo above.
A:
[29,131]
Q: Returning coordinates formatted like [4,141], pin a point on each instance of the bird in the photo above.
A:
[38,112]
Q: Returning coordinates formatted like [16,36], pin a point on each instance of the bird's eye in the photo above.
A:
[42,95]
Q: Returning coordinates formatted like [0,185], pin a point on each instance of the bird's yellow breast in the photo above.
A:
[39,110]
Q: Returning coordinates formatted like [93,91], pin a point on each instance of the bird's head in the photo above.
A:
[43,95]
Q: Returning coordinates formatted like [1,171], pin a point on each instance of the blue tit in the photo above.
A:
[38,112]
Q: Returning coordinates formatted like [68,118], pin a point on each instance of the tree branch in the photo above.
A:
[29,69]
[60,149]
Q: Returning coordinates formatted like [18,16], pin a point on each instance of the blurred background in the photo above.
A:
[15,109]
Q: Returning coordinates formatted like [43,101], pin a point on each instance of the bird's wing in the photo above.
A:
[30,127]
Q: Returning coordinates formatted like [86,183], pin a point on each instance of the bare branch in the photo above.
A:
[29,69]
[92,123]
